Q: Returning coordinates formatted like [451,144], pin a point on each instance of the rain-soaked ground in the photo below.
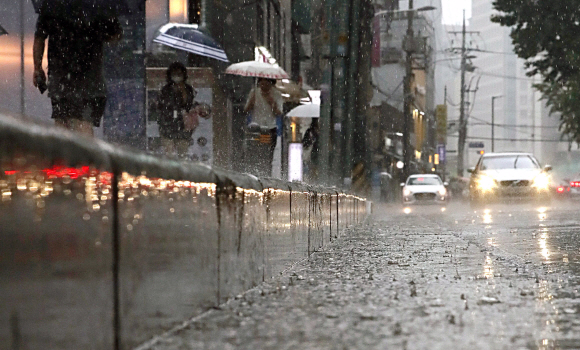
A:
[504,277]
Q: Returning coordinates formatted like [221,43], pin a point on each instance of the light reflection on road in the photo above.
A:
[487,216]
[543,244]
[488,267]
[535,247]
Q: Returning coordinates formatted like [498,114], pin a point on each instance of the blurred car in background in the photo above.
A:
[561,190]
[514,175]
[424,189]
[568,187]
[575,186]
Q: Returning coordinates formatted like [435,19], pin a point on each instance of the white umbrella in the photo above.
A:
[257,69]
[305,111]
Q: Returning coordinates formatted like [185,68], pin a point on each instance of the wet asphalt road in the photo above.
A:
[501,277]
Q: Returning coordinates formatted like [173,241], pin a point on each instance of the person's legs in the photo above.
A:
[60,112]
[182,146]
[273,142]
[84,127]
[69,115]
[168,146]
[63,123]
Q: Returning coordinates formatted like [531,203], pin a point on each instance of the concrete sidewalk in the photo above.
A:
[395,282]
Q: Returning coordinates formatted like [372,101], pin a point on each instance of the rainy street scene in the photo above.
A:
[289,174]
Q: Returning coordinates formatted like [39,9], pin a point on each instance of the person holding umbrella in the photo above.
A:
[265,104]
[178,113]
[76,35]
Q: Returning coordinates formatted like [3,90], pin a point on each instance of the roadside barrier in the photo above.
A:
[102,247]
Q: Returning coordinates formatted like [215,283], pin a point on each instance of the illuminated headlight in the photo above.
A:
[541,182]
[486,183]
[442,191]
[406,192]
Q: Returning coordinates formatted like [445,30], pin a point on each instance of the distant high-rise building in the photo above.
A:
[522,122]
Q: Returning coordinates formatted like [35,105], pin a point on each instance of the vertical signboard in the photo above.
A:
[441,118]
[441,152]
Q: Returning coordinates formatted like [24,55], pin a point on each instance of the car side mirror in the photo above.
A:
[402,184]
[471,170]
[446,184]
[548,168]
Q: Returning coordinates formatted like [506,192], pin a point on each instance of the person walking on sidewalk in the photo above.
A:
[177,116]
[265,104]
[76,86]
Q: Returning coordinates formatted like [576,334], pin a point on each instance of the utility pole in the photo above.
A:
[22,65]
[462,116]
[408,98]
[352,90]
[462,123]
[493,122]
[333,104]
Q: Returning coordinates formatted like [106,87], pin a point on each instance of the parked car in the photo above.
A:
[499,176]
[424,189]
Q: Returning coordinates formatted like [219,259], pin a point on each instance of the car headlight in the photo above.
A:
[406,192]
[442,191]
[541,182]
[486,184]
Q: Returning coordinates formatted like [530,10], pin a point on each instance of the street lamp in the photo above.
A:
[493,121]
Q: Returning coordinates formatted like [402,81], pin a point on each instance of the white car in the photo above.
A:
[424,189]
[508,175]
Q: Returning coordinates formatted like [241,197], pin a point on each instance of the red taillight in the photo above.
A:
[560,189]
[575,184]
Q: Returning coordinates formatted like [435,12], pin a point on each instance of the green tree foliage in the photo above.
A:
[546,33]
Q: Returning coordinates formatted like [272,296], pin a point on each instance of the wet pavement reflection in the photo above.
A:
[541,242]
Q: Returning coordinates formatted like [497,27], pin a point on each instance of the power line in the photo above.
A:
[388,96]
[510,127]
[514,125]
[502,76]
[511,139]
[494,52]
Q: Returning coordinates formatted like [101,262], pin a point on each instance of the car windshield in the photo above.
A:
[427,180]
[509,162]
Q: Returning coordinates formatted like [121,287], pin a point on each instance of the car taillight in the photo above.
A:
[575,184]
[560,189]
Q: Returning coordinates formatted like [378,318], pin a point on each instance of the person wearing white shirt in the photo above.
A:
[265,104]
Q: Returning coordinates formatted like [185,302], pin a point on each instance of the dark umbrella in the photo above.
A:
[3,31]
[188,37]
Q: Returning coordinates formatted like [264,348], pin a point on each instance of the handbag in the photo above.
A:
[190,120]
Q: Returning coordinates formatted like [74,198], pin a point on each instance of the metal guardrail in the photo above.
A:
[102,247]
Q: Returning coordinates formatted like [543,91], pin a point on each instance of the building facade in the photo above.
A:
[521,119]
[388,74]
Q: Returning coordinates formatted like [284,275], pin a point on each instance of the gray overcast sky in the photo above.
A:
[453,10]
